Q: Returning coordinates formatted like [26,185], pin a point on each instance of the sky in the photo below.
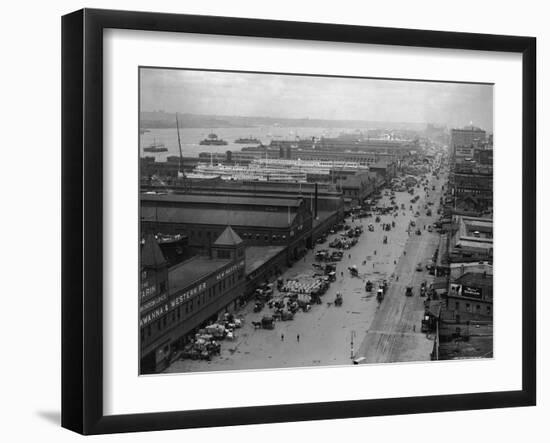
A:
[332,98]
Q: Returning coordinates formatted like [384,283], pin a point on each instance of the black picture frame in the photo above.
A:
[82,218]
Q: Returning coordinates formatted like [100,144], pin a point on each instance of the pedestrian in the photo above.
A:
[414,328]
[349,256]
[397,278]
[341,273]
[373,266]
[282,337]
[298,338]
[375,252]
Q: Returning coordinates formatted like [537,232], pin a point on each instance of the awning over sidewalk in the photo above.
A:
[442,255]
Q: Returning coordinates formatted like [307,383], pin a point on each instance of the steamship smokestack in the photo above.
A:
[315,203]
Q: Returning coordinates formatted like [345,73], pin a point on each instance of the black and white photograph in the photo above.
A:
[267,222]
[294,221]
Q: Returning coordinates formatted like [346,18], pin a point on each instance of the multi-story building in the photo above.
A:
[472,293]
[175,301]
[352,142]
[363,158]
[472,241]
[483,156]
[471,186]
[357,188]
[466,137]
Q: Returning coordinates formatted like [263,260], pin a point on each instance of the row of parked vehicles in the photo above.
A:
[325,255]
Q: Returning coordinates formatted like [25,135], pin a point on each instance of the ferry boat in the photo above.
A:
[213,139]
[155,147]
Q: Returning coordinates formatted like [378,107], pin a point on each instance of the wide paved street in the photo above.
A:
[394,335]
[386,332]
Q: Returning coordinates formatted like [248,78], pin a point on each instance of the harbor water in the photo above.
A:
[191,137]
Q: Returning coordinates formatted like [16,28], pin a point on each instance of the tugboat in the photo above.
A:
[155,147]
[213,139]
[247,140]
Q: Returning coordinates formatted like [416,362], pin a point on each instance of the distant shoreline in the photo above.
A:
[161,120]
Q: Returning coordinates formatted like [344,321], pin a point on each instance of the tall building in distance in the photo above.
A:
[467,137]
